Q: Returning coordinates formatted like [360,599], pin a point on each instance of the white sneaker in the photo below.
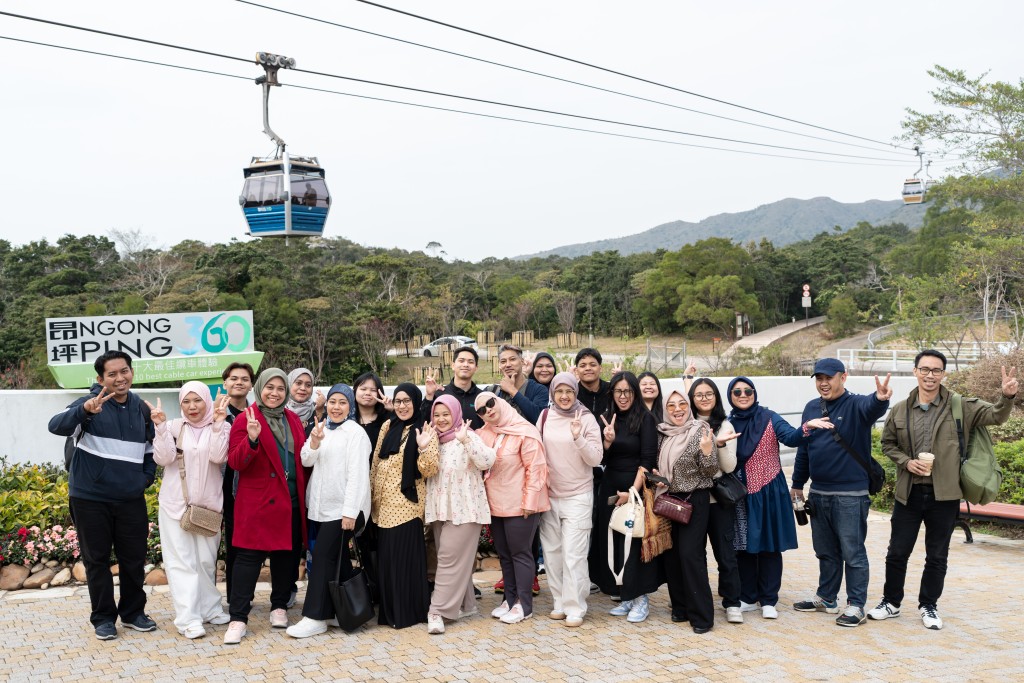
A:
[734,615]
[885,610]
[515,615]
[557,615]
[471,613]
[236,631]
[307,627]
[219,619]
[622,609]
[435,624]
[278,618]
[748,606]
[194,631]
[573,622]
[769,612]
[333,621]
[500,611]
[930,617]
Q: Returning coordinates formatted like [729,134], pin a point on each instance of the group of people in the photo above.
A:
[409,480]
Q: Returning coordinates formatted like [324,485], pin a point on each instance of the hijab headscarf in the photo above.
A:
[393,440]
[346,391]
[454,406]
[203,392]
[542,354]
[566,379]
[274,416]
[304,409]
[509,422]
[750,423]
[676,437]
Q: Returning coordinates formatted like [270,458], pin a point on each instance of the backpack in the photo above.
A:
[980,476]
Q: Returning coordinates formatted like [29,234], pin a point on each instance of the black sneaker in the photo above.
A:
[476,593]
[106,631]
[853,616]
[141,623]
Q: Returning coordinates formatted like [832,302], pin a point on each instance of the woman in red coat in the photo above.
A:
[270,505]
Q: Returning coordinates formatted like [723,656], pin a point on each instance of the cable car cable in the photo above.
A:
[558,78]
[626,75]
[447,109]
[464,97]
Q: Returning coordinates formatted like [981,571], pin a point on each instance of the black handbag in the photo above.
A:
[353,604]
[728,489]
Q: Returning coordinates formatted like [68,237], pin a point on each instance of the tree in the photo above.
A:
[842,316]
[713,301]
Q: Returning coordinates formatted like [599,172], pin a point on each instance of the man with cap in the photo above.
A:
[838,500]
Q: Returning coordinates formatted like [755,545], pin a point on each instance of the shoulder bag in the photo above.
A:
[196,520]
[876,475]
[676,509]
[628,520]
[353,603]
[728,489]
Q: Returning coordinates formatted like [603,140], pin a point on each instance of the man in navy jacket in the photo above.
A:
[111,469]
[838,499]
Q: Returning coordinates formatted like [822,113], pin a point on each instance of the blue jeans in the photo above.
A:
[839,525]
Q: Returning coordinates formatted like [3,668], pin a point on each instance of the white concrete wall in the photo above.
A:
[24,415]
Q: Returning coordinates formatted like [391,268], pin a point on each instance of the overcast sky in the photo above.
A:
[94,144]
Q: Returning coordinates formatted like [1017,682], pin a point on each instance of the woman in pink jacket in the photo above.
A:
[517,491]
[199,440]
[572,445]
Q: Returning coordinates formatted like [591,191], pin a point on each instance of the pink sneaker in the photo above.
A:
[236,631]
[279,618]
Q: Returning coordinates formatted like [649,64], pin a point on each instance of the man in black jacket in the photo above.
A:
[462,387]
[111,469]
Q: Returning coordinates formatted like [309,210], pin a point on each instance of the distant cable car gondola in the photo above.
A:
[283,196]
[914,188]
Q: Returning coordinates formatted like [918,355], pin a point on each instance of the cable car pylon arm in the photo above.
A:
[271,63]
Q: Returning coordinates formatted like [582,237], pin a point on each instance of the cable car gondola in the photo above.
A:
[283,196]
[914,188]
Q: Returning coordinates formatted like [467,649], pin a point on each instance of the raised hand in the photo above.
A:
[707,441]
[883,392]
[508,385]
[617,368]
[721,441]
[528,359]
[317,434]
[576,426]
[691,367]
[430,384]
[252,425]
[609,429]
[822,422]
[386,400]
[463,434]
[220,408]
[95,404]
[156,413]
[320,401]
[1009,382]
[423,438]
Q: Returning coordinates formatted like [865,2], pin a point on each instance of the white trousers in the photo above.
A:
[190,562]
[565,537]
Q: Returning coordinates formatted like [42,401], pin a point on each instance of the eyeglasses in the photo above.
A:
[742,392]
[623,392]
[482,410]
[930,371]
[703,397]
[402,402]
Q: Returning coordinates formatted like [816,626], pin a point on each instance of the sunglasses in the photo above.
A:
[742,392]
[482,410]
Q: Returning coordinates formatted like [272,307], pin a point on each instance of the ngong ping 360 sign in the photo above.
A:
[169,347]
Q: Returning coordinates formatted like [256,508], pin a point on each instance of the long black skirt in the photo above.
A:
[402,575]
[640,578]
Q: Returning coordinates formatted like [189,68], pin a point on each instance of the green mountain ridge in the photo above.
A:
[782,222]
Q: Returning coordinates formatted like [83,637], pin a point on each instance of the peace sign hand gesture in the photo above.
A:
[707,440]
[883,392]
[423,438]
[463,434]
[609,430]
[430,384]
[1009,382]
[252,425]
[220,408]
[95,404]
[576,426]
[386,400]
[317,435]
[156,414]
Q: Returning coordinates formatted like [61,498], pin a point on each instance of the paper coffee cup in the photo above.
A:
[928,459]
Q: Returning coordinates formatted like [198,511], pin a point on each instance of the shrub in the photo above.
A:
[29,545]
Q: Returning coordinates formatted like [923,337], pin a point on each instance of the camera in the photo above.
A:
[808,509]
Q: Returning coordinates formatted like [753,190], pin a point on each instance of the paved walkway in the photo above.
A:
[46,636]
[756,342]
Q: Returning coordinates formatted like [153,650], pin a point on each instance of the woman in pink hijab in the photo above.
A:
[197,442]
[517,490]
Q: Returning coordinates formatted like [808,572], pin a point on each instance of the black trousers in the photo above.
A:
[721,529]
[687,565]
[229,525]
[329,553]
[123,527]
[284,570]
[939,518]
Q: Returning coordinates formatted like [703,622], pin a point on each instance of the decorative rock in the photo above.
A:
[40,578]
[37,567]
[264,574]
[222,565]
[52,563]
[157,577]
[12,576]
[63,576]
[78,572]
[115,569]
[44,586]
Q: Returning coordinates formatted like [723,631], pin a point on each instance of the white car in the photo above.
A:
[435,347]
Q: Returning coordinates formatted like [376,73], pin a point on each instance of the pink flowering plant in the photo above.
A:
[29,545]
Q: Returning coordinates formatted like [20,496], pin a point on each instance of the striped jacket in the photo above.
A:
[113,461]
